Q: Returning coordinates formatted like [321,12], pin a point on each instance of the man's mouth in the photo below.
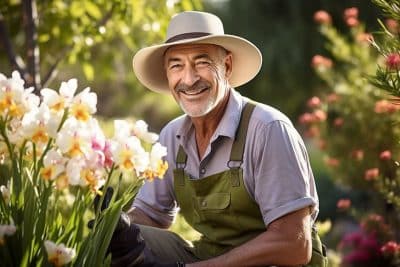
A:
[195,91]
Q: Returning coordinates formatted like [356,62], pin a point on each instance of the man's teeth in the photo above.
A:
[195,92]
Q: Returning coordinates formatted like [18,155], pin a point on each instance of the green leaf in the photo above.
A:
[92,9]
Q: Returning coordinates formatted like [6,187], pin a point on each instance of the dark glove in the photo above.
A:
[127,246]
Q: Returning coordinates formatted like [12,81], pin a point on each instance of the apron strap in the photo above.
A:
[241,132]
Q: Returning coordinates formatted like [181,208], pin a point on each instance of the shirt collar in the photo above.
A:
[228,124]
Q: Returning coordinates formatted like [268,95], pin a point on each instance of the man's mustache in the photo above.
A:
[199,85]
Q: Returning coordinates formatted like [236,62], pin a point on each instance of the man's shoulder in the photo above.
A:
[265,114]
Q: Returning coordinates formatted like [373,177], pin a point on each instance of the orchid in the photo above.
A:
[53,148]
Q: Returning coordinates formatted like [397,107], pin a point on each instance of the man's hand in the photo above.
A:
[127,246]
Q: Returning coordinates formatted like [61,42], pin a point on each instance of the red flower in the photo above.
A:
[351,12]
[319,115]
[393,61]
[338,122]
[385,155]
[343,204]
[371,174]
[314,102]
[322,17]
[390,248]
[319,61]
[392,25]
[306,118]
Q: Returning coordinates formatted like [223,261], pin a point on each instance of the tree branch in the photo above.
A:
[52,72]
[15,60]
[30,22]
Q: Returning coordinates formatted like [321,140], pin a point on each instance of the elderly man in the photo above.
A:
[239,171]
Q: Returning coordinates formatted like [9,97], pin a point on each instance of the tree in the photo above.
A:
[38,37]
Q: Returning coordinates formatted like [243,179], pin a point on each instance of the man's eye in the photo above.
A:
[202,63]
[174,66]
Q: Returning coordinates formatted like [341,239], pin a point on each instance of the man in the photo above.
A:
[239,174]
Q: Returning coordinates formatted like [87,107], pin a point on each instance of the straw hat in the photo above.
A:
[199,28]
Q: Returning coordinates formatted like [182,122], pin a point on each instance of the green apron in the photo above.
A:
[219,206]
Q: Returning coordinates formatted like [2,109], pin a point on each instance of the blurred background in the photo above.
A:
[54,40]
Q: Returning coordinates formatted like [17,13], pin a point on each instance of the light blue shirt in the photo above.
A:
[276,168]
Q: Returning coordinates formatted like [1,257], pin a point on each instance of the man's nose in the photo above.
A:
[190,76]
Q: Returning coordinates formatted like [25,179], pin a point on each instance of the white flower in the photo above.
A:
[83,105]
[57,102]
[74,138]
[6,229]
[157,167]
[140,129]
[5,193]
[53,165]
[129,154]
[58,255]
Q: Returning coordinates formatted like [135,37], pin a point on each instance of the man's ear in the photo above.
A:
[228,65]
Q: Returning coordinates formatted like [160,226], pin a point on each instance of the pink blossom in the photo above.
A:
[393,61]
[384,106]
[306,118]
[313,131]
[343,204]
[352,22]
[351,12]
[332,98]
[357,154]
[392,25]
[338,122]
[385,155]
[390,248]
[319,115]
[322,17]
[108,160]
[332,162]
[371,174]
[319,61]
[314,102]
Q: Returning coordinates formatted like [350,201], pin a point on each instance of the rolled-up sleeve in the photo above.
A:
[283,179]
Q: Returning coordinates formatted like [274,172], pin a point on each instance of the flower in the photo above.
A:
[321,62]
[58,255]
[322,17]
[390,248]
[371,174]
[157,166]
[343,204]
[6,229]
[351,16]
[314,102]
[384,106]
[393,61]
[385,155]
[392,25]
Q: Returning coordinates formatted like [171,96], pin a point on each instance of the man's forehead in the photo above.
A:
[191,48]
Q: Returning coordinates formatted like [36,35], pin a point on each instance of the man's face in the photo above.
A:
[197,76]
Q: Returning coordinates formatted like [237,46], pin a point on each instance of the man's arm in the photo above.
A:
[286,242]
[138,216]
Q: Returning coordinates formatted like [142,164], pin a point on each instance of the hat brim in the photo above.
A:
[148,63]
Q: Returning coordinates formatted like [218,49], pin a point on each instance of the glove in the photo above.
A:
[127,246]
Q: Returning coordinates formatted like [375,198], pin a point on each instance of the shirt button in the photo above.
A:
[203,171]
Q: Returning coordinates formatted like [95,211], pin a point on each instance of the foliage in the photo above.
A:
[91,40]
[54,159]
[356,126]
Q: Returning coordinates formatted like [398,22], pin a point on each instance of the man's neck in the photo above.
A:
[206,125]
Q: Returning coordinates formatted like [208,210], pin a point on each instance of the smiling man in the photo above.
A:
[239,171]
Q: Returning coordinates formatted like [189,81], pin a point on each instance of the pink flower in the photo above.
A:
[314,102]
[384,106]
[319,115]
[338,122]
[332,162]
[332,98]
[108,158]
[351,16]
[385,155]
[319,61]
[357,154]
[306,118]
[392,25]
[343,204]
[371,174]
[393,61]
[322,17]
[351,12]
[390,248]
[313,131]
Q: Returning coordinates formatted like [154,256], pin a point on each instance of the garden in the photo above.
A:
[74,120]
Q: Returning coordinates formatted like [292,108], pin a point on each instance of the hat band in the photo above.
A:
[188,35]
